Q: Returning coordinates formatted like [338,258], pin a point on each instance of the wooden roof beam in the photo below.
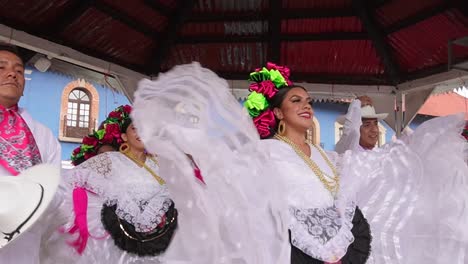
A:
[379,40]
[249,16]
[318,78]
[274,32]
[175,23]
[158,7]
[300,13]
[283,37]
[419,17]
[67,17]
[125,19]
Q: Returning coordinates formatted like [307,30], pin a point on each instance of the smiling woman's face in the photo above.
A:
[11,78]
[296,110]
[132,139]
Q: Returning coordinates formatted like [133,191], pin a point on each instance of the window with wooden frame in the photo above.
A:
[79,111]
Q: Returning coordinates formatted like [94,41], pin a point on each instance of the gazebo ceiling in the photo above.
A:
[381,42]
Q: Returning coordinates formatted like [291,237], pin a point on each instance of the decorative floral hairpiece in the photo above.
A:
[266,82]
[109,133]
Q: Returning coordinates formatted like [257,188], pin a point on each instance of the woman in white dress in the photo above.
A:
[116,208]
[411,210]
[412,193]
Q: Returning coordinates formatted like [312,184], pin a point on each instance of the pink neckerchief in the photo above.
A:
[18,148]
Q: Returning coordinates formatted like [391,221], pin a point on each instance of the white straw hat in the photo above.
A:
[367,111]
[24,198]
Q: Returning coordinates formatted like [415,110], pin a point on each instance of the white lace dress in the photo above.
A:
[317,227]
[413,193]
[113,179]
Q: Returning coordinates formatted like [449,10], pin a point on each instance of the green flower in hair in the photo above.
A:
[255,103]
[277,78]
[260,76]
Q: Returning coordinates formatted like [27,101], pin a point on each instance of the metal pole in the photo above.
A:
[398,113]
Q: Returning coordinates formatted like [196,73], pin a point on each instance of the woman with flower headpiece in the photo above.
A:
[324,189]
[412,193]
[318,232]
[117,208]
[95,144]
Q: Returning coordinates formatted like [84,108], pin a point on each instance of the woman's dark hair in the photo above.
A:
[125,124]
[277,100]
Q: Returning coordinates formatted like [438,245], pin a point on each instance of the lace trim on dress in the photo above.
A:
[140,199]
[322,233]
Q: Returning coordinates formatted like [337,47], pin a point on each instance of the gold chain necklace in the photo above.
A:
[331,185]
[142,164]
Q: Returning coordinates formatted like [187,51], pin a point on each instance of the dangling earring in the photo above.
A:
[281,128]
[124,148]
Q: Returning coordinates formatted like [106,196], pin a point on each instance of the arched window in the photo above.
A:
[79,111]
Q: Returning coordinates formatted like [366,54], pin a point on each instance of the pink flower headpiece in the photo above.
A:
[266,82]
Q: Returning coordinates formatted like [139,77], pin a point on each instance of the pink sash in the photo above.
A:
[18,148]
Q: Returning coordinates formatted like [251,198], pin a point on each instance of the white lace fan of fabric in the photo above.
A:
[189,110]
[414,194]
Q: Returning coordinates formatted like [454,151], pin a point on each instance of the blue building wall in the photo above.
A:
[42,99]
[327,113]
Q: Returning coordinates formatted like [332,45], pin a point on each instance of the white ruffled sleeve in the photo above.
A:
[351,129]
[414,194]
[231,218]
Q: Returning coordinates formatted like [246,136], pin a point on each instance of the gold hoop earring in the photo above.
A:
[124,148]
[281,127]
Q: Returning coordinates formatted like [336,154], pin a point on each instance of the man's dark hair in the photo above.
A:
[11,48]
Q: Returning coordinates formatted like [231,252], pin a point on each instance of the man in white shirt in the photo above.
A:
[360,126]
[24,142]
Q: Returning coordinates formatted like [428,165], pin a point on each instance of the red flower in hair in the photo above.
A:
[112,132]
[282,69]
[127,109]
[88,155]
[76,151]
[90,141]
[266,88]
[114,114]
[264,122]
